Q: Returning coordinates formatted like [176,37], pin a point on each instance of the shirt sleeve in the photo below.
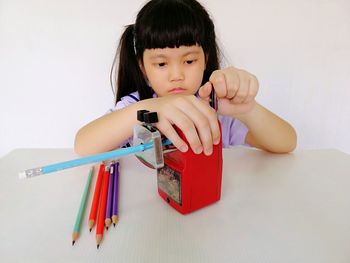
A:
[234,131]
[124,102]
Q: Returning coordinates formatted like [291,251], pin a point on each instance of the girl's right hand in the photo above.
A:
[194,117]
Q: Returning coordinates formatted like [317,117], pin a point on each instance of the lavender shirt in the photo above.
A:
[233,130]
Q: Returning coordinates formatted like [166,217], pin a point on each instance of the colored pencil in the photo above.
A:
[77,225]
[102,210]
[96,198]
[115,194]
[89,159]
[108,217]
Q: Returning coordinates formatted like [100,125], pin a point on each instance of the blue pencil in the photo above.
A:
[86,160]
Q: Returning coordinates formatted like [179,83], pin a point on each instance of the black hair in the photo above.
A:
[161,24]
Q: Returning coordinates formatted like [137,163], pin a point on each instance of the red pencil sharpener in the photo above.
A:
[190,181]
[187,181]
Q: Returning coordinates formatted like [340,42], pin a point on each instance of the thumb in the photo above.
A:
[204,91]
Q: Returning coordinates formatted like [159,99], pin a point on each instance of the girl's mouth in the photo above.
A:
[176,90]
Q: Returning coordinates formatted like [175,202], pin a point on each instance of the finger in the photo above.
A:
[194,110]
[204,91]
[211,116]
[248,97]
[218,81]
[253,89]
[186,117]
[168,130]
[242,92]
[232,84]
[186,125]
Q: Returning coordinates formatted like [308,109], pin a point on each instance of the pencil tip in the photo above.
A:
[90,229]
[114,224]
[107,228]
[98,246]
[73,242]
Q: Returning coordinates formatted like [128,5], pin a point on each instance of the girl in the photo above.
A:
[168,63]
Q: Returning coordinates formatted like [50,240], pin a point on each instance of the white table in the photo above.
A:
[274,208]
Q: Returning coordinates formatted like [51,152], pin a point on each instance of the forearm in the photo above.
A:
[267,131]
[107,132]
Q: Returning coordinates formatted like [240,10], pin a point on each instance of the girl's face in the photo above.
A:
[174,70]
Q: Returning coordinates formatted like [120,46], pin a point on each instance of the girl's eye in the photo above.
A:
[161,64]
[189,62]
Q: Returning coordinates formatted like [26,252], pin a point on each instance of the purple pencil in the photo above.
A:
[115,194]
[108,217]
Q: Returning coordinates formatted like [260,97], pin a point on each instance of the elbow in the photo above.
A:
[292,146]
[288,148]
[79,146]
[78,150]
[282,145]
[292,141]
[289,144]
[279,144]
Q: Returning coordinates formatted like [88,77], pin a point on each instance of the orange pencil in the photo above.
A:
[102,210]
[95,201]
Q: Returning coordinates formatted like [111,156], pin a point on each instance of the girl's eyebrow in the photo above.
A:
[192,52]
[158,56]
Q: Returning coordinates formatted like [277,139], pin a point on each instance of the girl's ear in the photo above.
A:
[142,68]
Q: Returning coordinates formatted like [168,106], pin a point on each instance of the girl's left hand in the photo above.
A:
[235,90]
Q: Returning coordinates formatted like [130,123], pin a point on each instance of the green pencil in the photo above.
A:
[80,214]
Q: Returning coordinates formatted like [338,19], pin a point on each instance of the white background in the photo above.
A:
[55,58]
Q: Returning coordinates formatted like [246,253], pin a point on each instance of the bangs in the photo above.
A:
[170,24]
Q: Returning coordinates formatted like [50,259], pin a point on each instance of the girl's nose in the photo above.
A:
[176,73]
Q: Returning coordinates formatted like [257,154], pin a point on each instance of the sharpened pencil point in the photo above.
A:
[98,246]
[114,224]
[90,229]
[107,228]
[73,242]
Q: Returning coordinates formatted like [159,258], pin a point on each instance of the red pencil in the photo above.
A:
[95,200]
[102,211]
